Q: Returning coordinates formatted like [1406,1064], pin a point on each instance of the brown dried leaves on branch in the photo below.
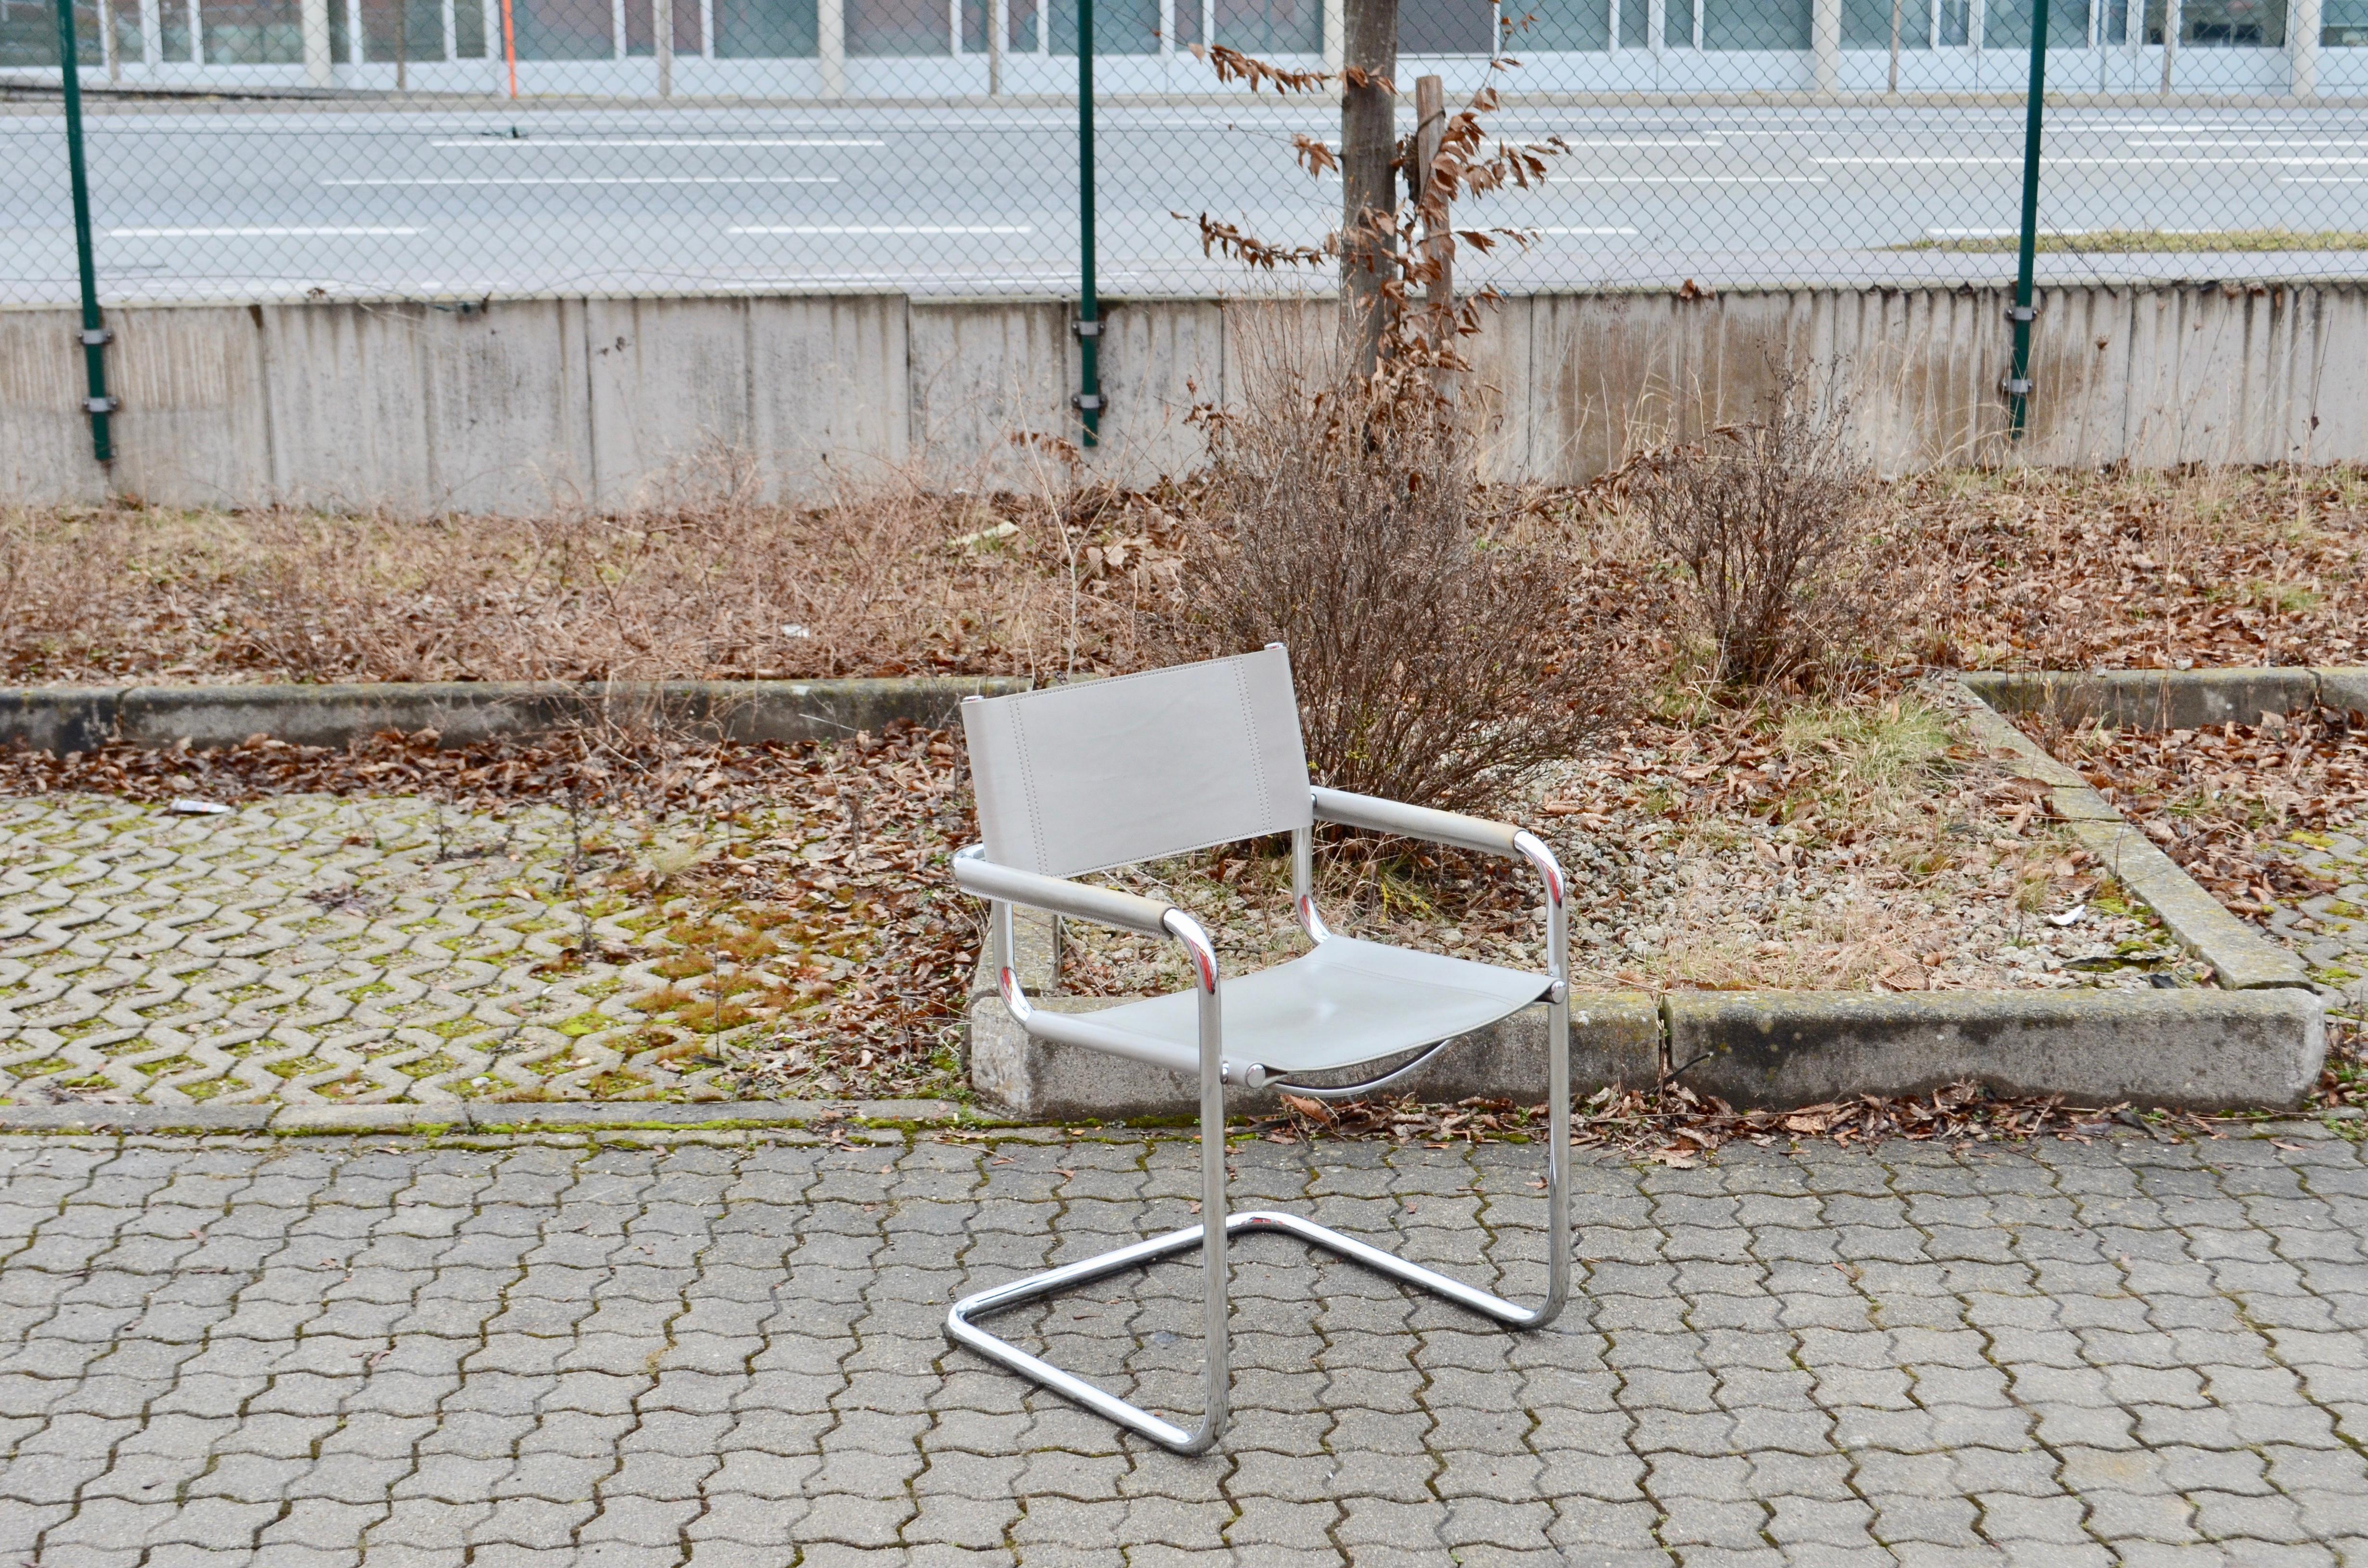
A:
[1224,239]
[1232,65]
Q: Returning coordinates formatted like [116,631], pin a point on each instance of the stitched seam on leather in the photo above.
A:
[1027,786]
[1257,757]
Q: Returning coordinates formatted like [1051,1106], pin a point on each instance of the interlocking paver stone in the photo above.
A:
[646,1392]
[307,950]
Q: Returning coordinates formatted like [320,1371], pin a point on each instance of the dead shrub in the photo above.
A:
[1437,656]
[1773,521]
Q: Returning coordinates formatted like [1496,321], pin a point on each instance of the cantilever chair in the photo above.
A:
[1084,778]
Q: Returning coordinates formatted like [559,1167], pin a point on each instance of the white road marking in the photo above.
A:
[255,230]
[661,142]
[2226,144]
[1558,177]
[1917,161]
[880,229]
[1626,141]
[599,179]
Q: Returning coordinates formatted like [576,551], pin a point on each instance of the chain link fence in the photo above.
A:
[249,150]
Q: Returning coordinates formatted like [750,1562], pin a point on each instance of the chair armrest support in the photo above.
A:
[1465,833]
[1003,886]
[1418,822]
[1103,906]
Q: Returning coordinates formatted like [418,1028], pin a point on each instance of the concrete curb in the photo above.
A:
[2241,956]
[2185,1050]
[63,719]
[2259,1041]
[2155,699]
[481,1116]
[1615,1038]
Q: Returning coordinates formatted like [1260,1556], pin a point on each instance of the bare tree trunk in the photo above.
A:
[1369,189]
[1438,243]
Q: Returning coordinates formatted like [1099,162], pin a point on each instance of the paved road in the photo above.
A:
[310,1352]
[252,204]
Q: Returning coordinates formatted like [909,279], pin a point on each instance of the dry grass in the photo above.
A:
[872,584]
[2033,569]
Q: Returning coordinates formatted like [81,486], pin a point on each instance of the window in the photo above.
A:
[2238,24]
[2344,24]
[1120,27]
[641,26]
[1756,24]
[1469,27]
[898,28]
[2006,24]
[253,32]
[1539,25]
[1866,24]
[28,33]
[1264,27]
[404,30]
[561,29]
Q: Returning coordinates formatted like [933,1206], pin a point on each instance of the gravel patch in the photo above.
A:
[1869,846]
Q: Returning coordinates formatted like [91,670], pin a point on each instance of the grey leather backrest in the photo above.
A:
[1108,772]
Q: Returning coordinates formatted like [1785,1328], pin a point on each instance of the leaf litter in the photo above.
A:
[2242,808]
[1671,1125]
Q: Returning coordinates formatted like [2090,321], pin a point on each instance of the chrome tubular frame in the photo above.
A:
[1216,1225]
[1303,885]
[1209,1235]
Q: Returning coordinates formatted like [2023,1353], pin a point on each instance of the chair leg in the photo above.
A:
[1216,1302]
[1216,1225]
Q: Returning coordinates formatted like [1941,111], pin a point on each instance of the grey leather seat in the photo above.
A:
[1345,1003]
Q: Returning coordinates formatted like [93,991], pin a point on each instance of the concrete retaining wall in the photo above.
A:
[511,407]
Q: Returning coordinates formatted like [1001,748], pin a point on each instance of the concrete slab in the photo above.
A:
[2201,1050]
[65,719]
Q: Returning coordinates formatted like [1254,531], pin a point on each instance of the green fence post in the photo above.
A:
[1089,326]
[97,404]
[2022,312]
